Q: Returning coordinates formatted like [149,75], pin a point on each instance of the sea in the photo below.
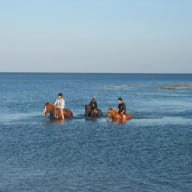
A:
[152,152]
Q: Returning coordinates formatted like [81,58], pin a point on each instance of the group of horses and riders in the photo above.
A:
[58,112]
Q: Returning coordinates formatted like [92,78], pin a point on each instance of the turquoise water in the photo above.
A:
[150,153]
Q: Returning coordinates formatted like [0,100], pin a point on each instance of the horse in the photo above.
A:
[116,117]
[91,113]
[54,115]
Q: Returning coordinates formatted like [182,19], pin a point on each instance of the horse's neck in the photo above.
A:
[52,108]
[115,114]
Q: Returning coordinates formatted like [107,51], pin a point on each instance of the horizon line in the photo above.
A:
[97,73]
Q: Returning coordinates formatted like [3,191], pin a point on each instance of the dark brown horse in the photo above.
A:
[116,117]
[91,113]
[50,108]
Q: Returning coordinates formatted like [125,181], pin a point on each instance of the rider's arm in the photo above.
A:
[124,109]
[56,102]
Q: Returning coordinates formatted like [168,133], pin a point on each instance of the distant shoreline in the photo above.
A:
[94,73]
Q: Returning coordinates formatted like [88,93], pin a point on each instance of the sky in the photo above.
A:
[97,36]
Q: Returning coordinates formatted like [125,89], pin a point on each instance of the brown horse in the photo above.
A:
[50,108]
[91,113]
[116,117]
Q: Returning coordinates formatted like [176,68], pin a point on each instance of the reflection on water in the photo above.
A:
[56,122]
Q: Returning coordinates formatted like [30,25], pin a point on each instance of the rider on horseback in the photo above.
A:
[60,104]
[121,107]
[93,105]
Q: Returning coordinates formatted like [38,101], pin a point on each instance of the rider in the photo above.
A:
[121,107]
[93,105]
[60,104]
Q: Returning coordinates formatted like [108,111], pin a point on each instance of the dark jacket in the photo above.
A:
[93,105]
[122,107]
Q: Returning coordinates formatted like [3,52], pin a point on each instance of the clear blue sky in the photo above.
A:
[96,36]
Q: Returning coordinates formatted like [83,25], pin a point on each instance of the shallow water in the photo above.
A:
[150,153]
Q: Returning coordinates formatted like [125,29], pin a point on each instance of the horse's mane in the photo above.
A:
[50,106]
[113,111]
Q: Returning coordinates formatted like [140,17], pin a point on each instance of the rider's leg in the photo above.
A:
[123,116]
[62,113]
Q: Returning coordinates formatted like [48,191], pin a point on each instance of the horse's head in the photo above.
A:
[88,107]
[111,113]
[47,109]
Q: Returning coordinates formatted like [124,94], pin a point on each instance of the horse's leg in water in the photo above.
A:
[88,111]
[56,114]
[93,113]
[51,116]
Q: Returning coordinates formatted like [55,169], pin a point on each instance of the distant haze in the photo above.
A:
[142,36]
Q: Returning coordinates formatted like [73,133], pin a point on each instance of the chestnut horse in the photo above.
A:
[116,117]
[50,108]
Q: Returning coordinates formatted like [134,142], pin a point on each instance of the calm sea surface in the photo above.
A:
[150,153]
